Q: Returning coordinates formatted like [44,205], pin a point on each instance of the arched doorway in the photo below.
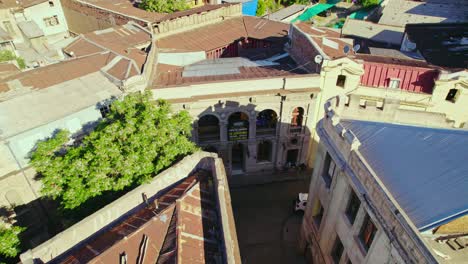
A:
[297,119]
[237,158]
[264,151]
[266,122]
[238,126]
[208,128]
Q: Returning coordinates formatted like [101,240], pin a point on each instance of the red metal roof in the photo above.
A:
[183,228]
[412,79]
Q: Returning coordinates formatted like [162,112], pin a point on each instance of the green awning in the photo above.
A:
[315,10]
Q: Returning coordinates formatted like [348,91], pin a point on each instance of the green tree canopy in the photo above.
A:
[9,240]
[164,6]
[369,3]
[135,141]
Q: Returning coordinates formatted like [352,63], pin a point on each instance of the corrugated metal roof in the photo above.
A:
[424,169]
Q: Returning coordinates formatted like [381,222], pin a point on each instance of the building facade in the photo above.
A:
[363,207]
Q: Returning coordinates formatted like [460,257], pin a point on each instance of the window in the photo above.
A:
[297,117]
[8,27]
[329,168]
[104,109]
[353,207]
[394,83]
[317,213]
[264,151]
[341,80]
[51,21]
[51,3]
[367,233]
[452,95]
[337,250]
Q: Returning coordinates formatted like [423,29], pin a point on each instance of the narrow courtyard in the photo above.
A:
[267,228]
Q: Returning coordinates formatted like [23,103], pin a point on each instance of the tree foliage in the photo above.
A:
[6,55]
[9,240]
[261,7]
[164,6]
[369,3]
[135,141]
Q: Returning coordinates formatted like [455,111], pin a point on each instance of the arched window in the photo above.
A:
[264,151]
[297,117]
[208,128]
[238,126]
[266,122]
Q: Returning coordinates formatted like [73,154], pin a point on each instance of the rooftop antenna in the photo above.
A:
[318,60]
[356,48]
[346,49]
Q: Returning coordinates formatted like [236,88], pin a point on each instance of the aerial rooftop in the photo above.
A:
[424,169]
[402,12]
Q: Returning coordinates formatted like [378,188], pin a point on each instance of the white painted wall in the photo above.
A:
[38,12]
[23,143]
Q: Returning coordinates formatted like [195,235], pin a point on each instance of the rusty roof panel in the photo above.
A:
[183,229]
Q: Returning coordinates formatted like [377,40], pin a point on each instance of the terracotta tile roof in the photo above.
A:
[223,33]
[183,226]
[126,41]
[57,73]
[327,40]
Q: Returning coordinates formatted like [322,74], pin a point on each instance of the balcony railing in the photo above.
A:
[295,129]
[266,131]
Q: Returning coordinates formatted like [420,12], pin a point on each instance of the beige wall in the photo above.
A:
[397,239]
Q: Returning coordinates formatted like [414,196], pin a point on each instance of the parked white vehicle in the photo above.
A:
[300,202]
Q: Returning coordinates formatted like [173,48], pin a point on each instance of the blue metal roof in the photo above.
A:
[424,169]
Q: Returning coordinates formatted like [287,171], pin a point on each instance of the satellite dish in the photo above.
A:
[410,46]
[346,49]
[318,59]
[356,47]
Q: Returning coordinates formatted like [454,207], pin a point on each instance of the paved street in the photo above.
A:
[267,229]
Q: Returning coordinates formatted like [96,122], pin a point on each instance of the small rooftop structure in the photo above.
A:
[443,44]
[375,33]
[327,41]
[286,12]
[402,12]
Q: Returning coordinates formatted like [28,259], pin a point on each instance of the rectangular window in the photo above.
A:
[317,213]
[337,250]
[51,21]
[394,83]
[51,3]
[8,27]
[367,233]
[353,206]
[329,168]
[452,95]
[341,80]
[104,109]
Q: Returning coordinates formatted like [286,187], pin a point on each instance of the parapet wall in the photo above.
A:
[192,21]
[396,225]
[385,110]
[72,236]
